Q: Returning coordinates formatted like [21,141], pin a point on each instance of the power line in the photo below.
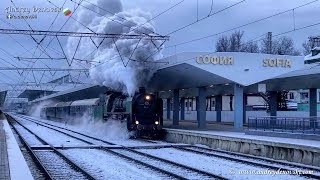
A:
[209,15]
[241,26]
[41,69]
[156,16]
[279,34]
[198,20]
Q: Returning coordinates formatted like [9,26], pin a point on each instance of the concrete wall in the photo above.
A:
[228,116]
[275,150]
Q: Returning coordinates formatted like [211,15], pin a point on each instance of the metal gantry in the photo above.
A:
[82,34]
[42,69]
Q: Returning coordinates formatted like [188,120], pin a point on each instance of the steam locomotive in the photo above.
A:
[142,112]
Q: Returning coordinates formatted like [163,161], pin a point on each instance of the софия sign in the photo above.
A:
[221,60]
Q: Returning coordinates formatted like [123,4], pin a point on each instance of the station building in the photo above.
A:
[229,86]
[225,87]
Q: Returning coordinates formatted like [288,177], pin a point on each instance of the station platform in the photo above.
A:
[12,163]
[192,125]
[222,136]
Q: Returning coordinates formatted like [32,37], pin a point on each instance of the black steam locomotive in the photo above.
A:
[142,112]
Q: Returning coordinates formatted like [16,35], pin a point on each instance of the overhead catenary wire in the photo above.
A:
[206,17]
[276,35]
[241,26]
[156,16]
[195,22]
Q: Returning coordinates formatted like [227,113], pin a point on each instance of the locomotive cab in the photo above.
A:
[146,112]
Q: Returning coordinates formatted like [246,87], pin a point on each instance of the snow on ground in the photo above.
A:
[302,142]
[214,165]
[30,138]
[17,164]
[114,133]
[107,166]
[51,136]
[181,171]
[57,167]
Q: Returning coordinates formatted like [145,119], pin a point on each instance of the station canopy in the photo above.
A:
[32,94]
[196,69]
[78,93]
[217,72]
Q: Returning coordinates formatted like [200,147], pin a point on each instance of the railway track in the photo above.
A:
[134,155]
[62,168]
[250,159]
[169,168]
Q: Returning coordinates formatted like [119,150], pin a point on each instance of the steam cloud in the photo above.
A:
[111,129]
[36,109]
[111,72]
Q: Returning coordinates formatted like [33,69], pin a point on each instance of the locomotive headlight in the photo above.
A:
[137,122]
[148,97]
[157,122]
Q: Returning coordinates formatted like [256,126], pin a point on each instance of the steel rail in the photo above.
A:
[200,172]
[35,158]
[59,153]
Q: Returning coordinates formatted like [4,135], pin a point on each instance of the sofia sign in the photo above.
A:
[285,63]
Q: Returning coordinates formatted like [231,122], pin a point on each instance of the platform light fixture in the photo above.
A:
[137,122]
[156,122]
[211,85]
[148,97]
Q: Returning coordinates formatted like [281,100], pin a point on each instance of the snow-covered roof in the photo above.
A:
[86,102]
[246,69]
[84,91]
[312,59]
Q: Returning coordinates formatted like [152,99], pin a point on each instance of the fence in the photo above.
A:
[306,125]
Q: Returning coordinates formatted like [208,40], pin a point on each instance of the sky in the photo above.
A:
[186,12]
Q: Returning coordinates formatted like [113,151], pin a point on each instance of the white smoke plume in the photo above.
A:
[36,109]
[111,129]
[112,72]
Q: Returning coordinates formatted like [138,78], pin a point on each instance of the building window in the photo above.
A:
[210,103]
[291,95]
[304,95]
[189,104]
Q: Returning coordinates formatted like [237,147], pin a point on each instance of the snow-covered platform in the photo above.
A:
[294,150]
[12,163]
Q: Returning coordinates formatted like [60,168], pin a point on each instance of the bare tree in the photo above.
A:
[251,47]
[306,47]
[235,43]
[285,45]
[222,44]
[282,46]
